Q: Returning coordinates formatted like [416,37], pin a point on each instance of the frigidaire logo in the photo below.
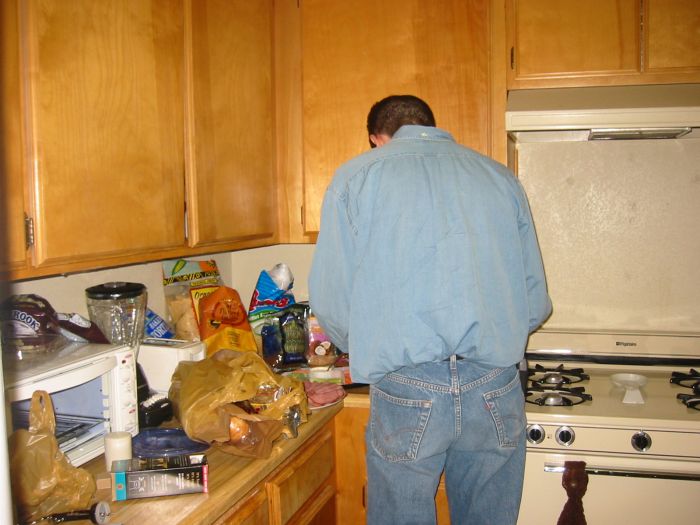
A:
[624,343]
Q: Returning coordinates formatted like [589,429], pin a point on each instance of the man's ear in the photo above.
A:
[379,139]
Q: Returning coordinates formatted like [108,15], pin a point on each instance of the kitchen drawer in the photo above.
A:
[306,481]
[252,510]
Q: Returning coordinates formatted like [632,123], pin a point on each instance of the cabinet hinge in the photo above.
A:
[187,231]
[512,57]
[28,231]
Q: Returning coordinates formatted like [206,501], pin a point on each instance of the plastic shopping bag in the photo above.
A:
[233,400]
[43,480]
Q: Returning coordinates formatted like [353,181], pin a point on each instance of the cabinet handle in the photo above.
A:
[512,57]
[629,473]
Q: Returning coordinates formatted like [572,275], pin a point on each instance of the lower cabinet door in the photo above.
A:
[304,486]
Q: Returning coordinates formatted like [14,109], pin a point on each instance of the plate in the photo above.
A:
[165,442]
[326,405]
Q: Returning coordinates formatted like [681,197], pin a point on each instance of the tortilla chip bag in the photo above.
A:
[223,322]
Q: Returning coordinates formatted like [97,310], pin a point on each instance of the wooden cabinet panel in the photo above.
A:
[303,482]
[12,240]
[253,510]
[601,42]
[105,128]
[351,470]
[231,129]
[561,38]
[355,53]
[672,36]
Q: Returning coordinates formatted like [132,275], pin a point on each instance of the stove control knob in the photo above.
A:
[565,436]
[535,434]
[641,442]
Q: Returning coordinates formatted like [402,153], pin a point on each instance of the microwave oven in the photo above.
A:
[93,389]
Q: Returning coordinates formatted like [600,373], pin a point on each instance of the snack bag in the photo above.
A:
[320,350]
[29,325]
[285,339]
[185,283]
[271,296]
[223,322]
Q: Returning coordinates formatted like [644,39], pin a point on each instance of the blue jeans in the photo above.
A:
[456,416]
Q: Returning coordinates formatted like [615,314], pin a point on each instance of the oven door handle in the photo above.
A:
[629,473]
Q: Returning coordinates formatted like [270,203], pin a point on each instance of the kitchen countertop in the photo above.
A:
[230,478]
[357,397]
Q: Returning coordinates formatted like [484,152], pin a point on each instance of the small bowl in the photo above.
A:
[629,381]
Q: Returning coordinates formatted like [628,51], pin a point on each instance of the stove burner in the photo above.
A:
[690,400]
[690,380]
[555,377]
[556,396]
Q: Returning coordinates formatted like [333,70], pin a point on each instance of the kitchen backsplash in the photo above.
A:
[239,270]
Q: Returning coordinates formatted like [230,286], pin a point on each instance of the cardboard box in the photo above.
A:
[167,476]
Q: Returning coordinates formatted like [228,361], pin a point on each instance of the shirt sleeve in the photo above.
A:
[540,305]
[331,274]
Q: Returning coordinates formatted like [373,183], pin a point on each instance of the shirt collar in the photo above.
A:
[422,132]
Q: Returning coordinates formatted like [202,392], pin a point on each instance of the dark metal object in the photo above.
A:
[98,513]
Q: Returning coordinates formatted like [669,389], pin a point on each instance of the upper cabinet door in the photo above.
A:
[356,53]
[598,42]
[231,166]
[13,249]
[565,39]
[672,37]
[104,119]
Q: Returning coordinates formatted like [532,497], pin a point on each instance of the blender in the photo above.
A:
[119,310]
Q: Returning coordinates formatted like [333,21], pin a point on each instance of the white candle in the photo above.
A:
[117,446]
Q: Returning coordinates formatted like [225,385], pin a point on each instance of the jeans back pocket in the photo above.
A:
[507,407]
[397,425]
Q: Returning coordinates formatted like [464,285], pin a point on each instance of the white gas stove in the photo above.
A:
[619,416]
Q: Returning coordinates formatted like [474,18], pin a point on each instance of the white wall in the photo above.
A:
[239,270]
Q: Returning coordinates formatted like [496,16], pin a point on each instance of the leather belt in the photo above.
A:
[458,357]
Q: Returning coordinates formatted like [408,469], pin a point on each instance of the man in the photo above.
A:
[428,272]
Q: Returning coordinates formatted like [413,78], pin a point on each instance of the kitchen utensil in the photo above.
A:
[98,513]
[119,310]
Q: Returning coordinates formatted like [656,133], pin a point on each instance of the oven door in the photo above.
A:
[621,489]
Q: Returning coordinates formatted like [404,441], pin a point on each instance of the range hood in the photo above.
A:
[608,112]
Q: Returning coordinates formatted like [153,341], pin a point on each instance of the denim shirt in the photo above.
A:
[426,249]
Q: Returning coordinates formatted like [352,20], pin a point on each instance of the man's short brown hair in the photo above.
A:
[389,114]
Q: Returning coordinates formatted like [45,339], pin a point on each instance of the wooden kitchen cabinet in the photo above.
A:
[230,169]
[601,42]
[13,252]
[355,53]
[253,510]
[103,128]
[301,491]
[350,426]
[136,130]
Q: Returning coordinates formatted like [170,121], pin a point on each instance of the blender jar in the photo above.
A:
[118,309]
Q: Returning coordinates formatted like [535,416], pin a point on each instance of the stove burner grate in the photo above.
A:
[555,377]
[556,396]
[690,400]
[690,380]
